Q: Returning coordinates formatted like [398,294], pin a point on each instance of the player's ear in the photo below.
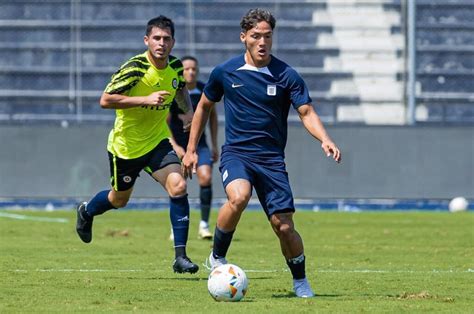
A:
[242,37]
[145,40]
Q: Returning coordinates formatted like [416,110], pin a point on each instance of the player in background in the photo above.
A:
[206,156]
[141,92]
[258,90]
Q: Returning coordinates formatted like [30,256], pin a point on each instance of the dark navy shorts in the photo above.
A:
[269,179]
[124,172]
[203,151]
[204,156]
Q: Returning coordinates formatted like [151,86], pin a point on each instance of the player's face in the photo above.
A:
[159,42]
[258,43]
[190,71]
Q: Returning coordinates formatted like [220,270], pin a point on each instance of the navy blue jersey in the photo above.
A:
[256,103]
[176,124]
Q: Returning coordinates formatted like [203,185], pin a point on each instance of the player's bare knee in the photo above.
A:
[177,188]
[282,224]
[205,180]
[239,201]
[284,230]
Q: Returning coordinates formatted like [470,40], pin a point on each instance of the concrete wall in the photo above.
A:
[378,162]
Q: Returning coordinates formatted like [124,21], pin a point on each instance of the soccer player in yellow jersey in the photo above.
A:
[141,92]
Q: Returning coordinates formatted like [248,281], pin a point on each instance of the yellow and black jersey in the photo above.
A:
[138,130]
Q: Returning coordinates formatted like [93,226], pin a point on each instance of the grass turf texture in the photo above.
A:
[356,262]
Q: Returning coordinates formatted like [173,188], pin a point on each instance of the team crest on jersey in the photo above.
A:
[175,83]
[271,90]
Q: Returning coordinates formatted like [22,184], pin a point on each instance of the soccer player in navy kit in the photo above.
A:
[258,90]
[180,141]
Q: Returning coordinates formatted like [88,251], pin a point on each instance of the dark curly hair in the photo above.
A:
[255,16]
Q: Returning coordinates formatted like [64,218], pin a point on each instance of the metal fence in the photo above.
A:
[367,61]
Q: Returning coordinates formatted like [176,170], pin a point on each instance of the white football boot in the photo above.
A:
[212,263]
[204,233]
[302,288]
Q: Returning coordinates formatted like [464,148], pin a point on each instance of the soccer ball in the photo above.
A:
[458,204]
[227,283]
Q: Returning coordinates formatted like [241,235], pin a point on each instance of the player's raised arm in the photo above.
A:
[313,124]
[200,118]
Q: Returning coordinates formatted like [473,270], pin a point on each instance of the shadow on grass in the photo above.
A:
[194,278]
[293,295]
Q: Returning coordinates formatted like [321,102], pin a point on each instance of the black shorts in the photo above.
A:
[124,172]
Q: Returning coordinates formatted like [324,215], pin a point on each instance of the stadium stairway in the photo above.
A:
[367,34]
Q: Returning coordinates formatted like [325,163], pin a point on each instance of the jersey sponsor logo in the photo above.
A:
[161,107]
[225,175]
[175,83]
[237,85]
[271,90]
[127,179]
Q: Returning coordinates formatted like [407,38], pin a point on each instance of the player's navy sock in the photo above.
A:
[99,204]
[297,266]
[205,196]
[179,216]
[222,241]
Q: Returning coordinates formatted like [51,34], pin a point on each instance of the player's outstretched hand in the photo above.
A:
[157,98]
[189,164]
[330,149]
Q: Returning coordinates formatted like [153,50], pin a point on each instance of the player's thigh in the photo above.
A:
[120,198]
[162,162]
[237,179]
[124,172]
[273,190]
[170,174]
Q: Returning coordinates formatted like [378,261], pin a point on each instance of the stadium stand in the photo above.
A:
[56,56]
[445,61]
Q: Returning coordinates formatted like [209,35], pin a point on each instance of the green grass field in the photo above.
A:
[356,262]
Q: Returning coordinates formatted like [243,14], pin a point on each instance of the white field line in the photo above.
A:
[33,218]
[362,271]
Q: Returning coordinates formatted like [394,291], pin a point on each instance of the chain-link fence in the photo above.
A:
[57,56]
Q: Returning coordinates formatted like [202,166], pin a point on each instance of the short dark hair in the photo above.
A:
[254,16]
[189,58]
[160,22]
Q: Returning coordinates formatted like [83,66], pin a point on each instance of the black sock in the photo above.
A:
[222,241]
[297,266]
[205,196]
